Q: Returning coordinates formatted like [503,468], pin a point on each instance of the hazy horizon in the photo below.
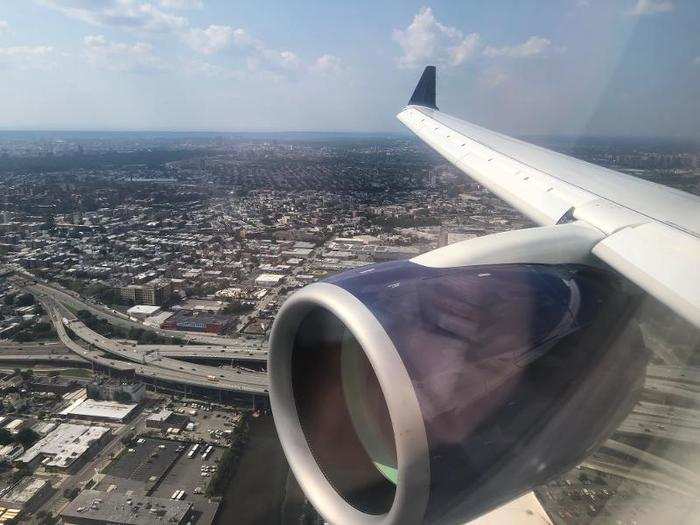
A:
[579,67]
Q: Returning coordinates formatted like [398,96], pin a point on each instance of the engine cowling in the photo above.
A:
[408,394]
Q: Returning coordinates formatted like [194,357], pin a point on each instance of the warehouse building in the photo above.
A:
[189,321]
[27,494]
[94,410]
[66,448]
[93,507]
[165,420]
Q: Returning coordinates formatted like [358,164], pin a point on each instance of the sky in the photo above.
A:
[574,67]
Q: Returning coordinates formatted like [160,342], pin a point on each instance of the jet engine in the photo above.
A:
[404,393]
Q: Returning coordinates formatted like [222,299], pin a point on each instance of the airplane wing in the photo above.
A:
[649,233]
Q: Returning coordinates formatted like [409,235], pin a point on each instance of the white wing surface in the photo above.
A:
[651,232]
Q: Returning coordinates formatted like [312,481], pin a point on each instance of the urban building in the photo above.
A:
[154,293]
[268,279]
[190,321]
[93,507]
[142,311]
[27,494]
[116,390]
[165,420]
[66,448]
[94,410]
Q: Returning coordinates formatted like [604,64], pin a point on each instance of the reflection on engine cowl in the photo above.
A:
[505,376]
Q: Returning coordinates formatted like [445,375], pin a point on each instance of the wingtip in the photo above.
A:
[425,92]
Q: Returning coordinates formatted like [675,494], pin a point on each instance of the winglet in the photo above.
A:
[424,94]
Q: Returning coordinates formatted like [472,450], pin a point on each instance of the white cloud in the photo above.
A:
[210,40]
[258,56]
[696,61]
[27,57]
[492,78]
[327,65]
[465,50]
[181,4]
[242,38]
[4,27]
[125,14]
[274,61]
[25,51]
[532,47]
[118,56]
[427,40]
[650,7]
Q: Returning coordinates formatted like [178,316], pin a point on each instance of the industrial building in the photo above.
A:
[189,321]
[55,384]
[93,507]
[26,495]
[268,280]
[116,390]
[93,410]
[66,448]
[141,311]
[165,420]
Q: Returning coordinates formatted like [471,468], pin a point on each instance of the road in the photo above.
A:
[158,368]
[59,359]
[73,300]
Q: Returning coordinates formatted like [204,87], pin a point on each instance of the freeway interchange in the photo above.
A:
[153,363]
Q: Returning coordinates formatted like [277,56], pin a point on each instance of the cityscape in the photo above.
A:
[141,274]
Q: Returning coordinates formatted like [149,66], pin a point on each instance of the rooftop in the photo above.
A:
[143,309]
[22,493]
[65,444]
[123,509]
[99,409]
[269,278]
[160,416]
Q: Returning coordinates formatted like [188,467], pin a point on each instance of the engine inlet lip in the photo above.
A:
[413,486]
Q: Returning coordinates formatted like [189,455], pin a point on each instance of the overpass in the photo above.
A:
[129,360]
[53,359]
[73,300]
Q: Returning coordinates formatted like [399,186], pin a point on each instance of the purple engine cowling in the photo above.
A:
[519,372]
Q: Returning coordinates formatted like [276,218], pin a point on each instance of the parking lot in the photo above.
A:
[141,466]
[186,474]
[211,425]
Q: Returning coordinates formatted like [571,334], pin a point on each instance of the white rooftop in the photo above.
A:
[143,309]
[269,278]
[160,416]
[99,409]
[65,444]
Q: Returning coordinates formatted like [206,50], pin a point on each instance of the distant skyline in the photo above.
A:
[574,67]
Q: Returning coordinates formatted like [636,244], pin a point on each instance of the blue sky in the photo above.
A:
[608,67]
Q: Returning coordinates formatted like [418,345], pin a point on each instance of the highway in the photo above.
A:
[242,352]
[157,368]
[62,359]
[72,300]
[206,373]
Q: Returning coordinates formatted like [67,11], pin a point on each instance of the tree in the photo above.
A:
[122,397]
[27,374]
[27,437]
[25,299]
[5,437]
[71,493]
[50,222]
[21,472]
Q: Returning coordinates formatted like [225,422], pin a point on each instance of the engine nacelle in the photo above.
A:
[408,394]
